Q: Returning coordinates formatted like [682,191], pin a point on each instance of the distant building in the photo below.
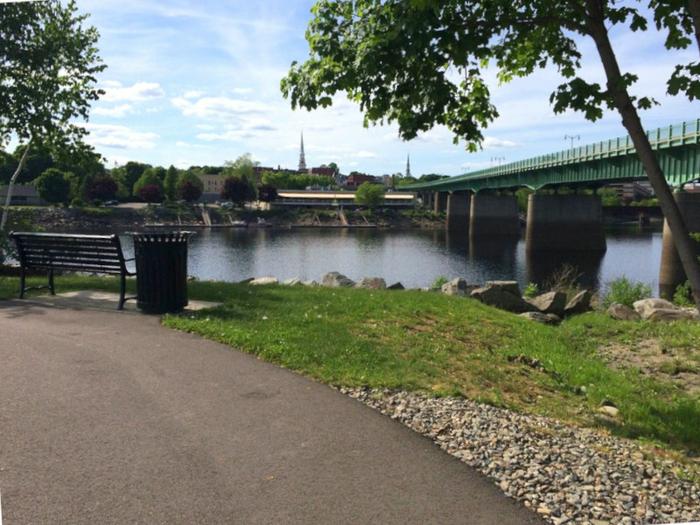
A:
[323,171]
[211,187]
[408,166]
[22,195]
[212,183]
[332,199]
[632,191]
[355,179]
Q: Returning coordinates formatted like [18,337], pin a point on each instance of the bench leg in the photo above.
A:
[22,282]
[52,290]
[122,291]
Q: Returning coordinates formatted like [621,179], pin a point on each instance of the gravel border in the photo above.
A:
[564,473]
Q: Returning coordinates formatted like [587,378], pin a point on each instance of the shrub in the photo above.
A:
[370,195]
[624,291]
[565,280]
[189,187]
[267,193]
[683,296]
[102,187]
[54,186]
[531,290]
[438,282]
[238,189]
[151,193]
[77,202]
[149,178]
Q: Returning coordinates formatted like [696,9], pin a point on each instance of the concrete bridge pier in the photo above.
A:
[428,199]
[458,211]
[440,201]
[494,216]
[565,223]
[671,273]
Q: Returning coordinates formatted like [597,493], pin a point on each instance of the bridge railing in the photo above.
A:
[664,137]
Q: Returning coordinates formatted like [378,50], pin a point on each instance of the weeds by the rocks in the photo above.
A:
[565,279]
[626,292]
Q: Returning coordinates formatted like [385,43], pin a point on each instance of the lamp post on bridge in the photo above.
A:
[572,138]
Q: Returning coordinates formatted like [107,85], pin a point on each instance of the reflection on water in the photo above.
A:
[413,257]
[541,267]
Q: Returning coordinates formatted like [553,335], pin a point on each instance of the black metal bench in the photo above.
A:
[67,252]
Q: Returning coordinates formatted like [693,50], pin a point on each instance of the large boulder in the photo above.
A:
[646,307]
[579,303]
[622,313]
[337,280]
[662,310]
[457,286]
[676,314]
[550,303]
[294,281]
[506,286]
[372,283]
[495,294]
[542,317]
[260,281]
[396,286]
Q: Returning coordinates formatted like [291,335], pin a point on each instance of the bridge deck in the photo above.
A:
[613,160]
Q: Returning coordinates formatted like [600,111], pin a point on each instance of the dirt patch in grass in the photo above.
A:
[680,366]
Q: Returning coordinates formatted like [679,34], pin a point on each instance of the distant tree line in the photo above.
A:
[81,178]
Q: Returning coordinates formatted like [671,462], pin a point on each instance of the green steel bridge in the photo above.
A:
[677,148]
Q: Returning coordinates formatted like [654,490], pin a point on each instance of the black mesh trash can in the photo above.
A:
[161,271]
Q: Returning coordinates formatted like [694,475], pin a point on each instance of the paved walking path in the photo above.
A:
[108,417]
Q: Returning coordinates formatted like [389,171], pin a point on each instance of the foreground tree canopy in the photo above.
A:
[48,67]
[421,63]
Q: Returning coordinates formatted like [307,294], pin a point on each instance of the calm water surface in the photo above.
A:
[413,257]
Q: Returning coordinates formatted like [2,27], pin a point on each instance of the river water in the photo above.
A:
[413,257]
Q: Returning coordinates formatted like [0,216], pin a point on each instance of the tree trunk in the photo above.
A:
[630,119]
[11,186]
[694,10]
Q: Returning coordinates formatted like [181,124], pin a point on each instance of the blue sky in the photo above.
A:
[197,82]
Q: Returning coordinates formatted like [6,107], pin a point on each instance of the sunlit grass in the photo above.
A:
[446,346]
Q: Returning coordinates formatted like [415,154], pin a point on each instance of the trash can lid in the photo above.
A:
[173,236]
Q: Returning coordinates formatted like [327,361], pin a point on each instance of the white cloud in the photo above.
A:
[242,91]
[496,143]
[193,94]
[119,137]
[138,92]
[364,154]
[218,107]
[116,111]
[230,135]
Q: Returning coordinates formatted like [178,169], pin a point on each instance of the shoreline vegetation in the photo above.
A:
[114,219]
[441,345]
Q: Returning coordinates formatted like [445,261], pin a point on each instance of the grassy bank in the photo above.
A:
[447,345]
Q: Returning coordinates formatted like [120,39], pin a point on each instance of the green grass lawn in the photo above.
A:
[448,346]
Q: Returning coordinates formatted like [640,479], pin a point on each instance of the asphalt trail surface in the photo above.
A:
[108,417]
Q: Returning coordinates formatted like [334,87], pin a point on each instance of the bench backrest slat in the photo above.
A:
[55,251]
